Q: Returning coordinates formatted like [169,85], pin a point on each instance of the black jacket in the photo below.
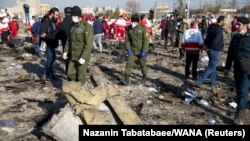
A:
[64,28]
[26,8]
[49,27]
[214,39]
[170,27]
[239,48]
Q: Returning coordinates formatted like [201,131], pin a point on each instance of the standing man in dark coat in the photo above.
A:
[26,8]
[48,35]
[239,53]
[214,43]
[65,26]
[64,29]
[170,31]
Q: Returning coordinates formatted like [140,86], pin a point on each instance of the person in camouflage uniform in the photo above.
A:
[181,28]
[78,47]
[137,46]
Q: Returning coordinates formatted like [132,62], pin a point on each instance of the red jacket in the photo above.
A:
[84,17]
[234,25]
[105,25]
[13,25]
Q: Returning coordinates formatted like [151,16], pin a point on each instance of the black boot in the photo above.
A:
[181,53]
[239,115]
[126,82]
[144,79]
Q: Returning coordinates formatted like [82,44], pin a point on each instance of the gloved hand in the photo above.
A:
[81,61]
[129,52]
[143,54]
[65,57]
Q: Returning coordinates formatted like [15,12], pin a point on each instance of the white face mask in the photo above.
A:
[75,19]
[134,25]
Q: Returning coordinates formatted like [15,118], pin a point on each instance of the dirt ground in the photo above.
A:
[161,101]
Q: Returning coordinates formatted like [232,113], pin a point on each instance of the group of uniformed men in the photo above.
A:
[78,45]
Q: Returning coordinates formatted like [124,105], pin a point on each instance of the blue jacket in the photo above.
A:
[214,39]
[98,27]
[36,28]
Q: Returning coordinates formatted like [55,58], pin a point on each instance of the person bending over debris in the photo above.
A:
[78,47]
[239,53]
[137,47]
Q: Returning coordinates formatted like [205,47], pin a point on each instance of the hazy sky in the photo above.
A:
[145,4]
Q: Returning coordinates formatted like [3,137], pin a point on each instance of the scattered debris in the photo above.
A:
[124,112]
[26,57]
[64,126]
[202,102]
[23,82]
[138,108]
[198,114]
[211,122]
[87,102]
[153,90]
[7,123]
[7,129]
[204,59]
[149,102]
[233,104]
[161,97]
[190,96]
[173,101]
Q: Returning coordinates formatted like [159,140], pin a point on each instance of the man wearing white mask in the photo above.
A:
[78,47]
[137,48]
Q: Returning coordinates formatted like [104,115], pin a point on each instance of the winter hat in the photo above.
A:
[76,11]
[67,10]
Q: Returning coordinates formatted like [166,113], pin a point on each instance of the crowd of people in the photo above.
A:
[79,33]
[8,26]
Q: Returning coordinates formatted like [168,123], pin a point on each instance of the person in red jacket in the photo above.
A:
[14,26]
[1,19]
[234,26]
[109,22]
[84,17]
[120,28]
[146,23]
[106,28]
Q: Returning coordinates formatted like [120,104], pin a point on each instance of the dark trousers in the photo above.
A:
[242,83]
[171,38]
[5,35]
[181,51]
[163,34]
[194,60]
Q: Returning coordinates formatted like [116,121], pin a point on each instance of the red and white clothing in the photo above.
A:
[5,25]
[146,23]
[192,41]
[120,26]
